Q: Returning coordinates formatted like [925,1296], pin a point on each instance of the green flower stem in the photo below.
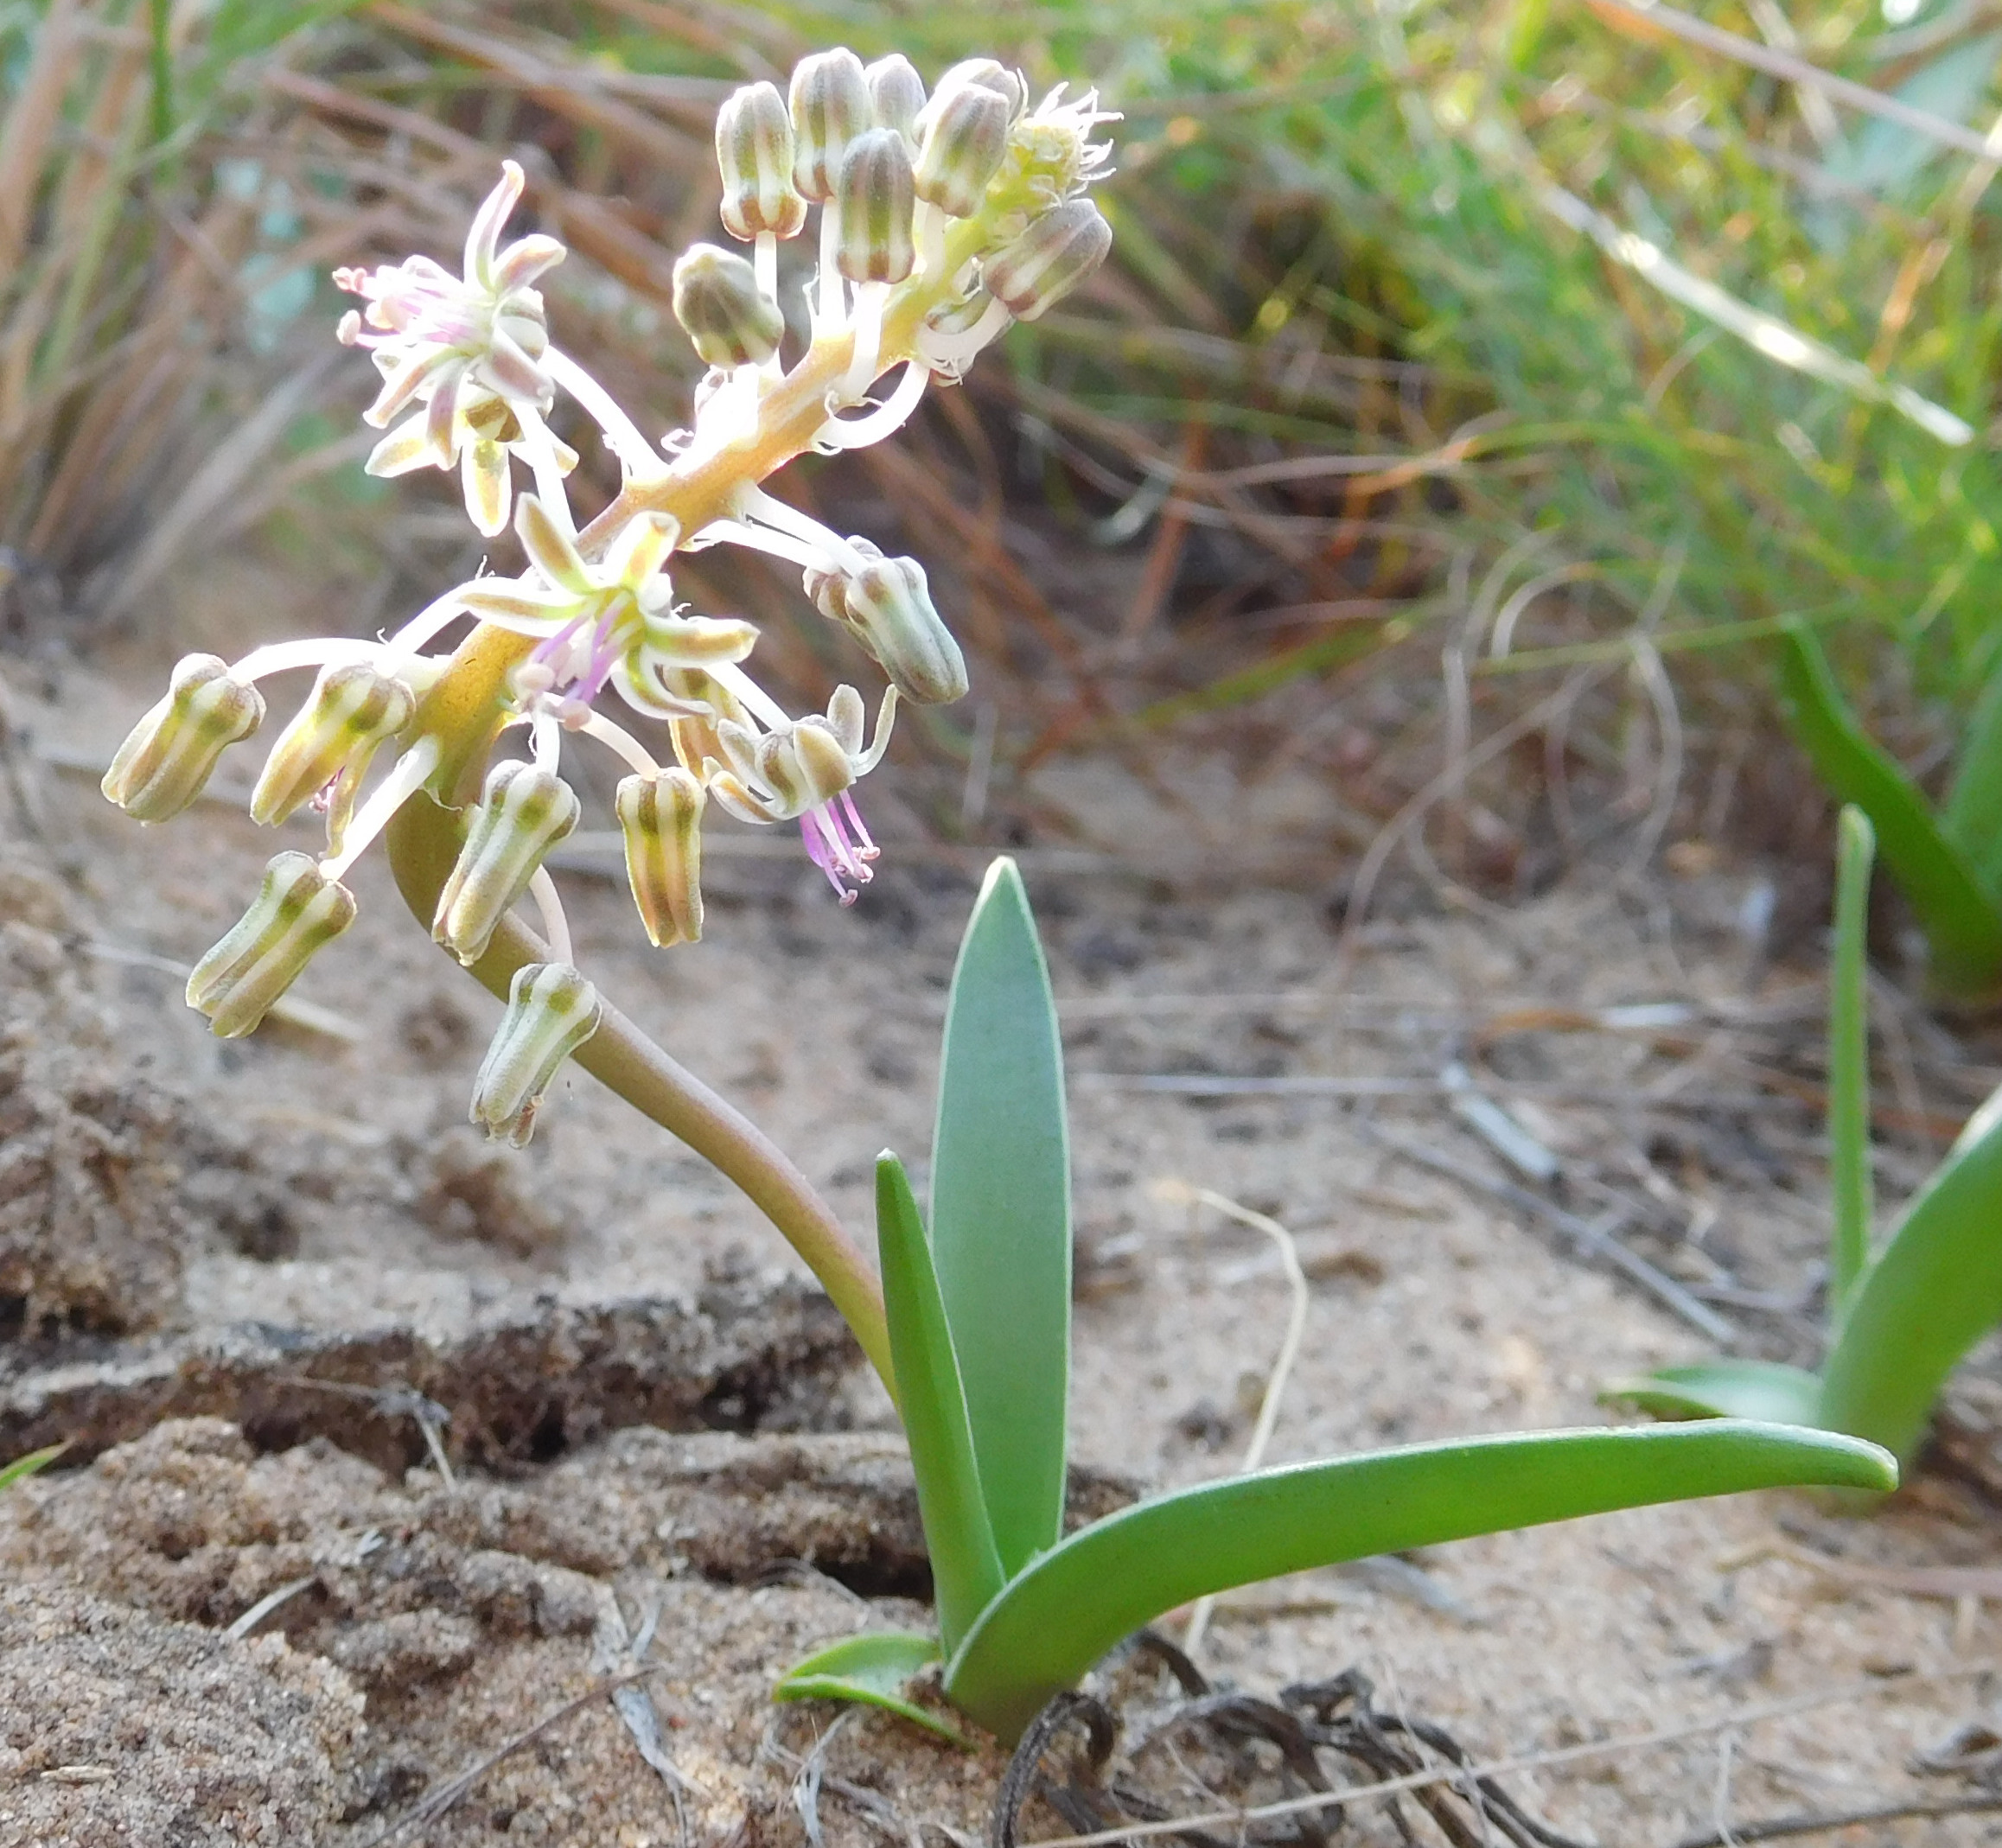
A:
[424,840]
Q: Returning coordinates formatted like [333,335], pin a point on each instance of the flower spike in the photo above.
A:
[942,218]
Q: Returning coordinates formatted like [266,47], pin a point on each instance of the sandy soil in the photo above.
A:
[237,1271]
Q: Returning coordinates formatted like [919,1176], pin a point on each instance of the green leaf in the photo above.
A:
[1723,1389]
[965,1572]
[1849,1062]
[24,1467]
[1961,923]
[1102,1584]
[872,1669]
[1933,1291]
[1973,814]
[1001,1215]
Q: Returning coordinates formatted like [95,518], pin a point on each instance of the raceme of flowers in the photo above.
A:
[942,217]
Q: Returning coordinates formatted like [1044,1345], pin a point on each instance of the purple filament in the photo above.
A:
[829,847]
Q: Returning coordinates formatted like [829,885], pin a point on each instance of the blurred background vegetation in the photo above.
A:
[1473,391]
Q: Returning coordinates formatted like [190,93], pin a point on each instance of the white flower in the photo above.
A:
[615,620]
[803,771]
[467,351]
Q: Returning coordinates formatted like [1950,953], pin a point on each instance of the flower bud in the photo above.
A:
[891,612]
[985,73]
[660,817]
[872,207]
[523,812]
[830,106]
[353,707]
[298,909]
[717,302]
[966,139]
[896,93]
[552,1011]
[1056,253]
[753,152]
[167,757]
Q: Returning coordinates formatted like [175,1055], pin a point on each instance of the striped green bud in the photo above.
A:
[830,106]
[1058,251]
[552,1011]
[966,139]
[352,709]
[168,756]
[298,909]
[660,817]
[896,93]
[888,608]
[523,812]
[717,303]
[872,207]
[891,612]
[753,152]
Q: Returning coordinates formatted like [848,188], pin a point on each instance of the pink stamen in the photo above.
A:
[865,848]
[830,849]
[553,652]
[605,653]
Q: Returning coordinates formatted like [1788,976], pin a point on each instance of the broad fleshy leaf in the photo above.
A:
[1102,1584]
[873,1669]
[1001,1215]
[1723,1389]
[1851,1192]
[1933,1291]
[965,1572]
[1962,923]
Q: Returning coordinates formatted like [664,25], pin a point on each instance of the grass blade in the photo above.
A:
[1933,1291]
[1723,1389]
[1973,813]
[1001,1216]
[1849,1062]
[873,1669]
[1100,1585]
[24,1467]
[1962,924]
[965,1572]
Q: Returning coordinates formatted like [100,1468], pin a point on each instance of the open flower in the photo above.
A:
[803,771]
[469,352]
[612,621]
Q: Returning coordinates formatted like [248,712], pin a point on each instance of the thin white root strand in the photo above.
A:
[1261,1437]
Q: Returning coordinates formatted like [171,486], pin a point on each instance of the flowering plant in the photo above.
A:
[942,218]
